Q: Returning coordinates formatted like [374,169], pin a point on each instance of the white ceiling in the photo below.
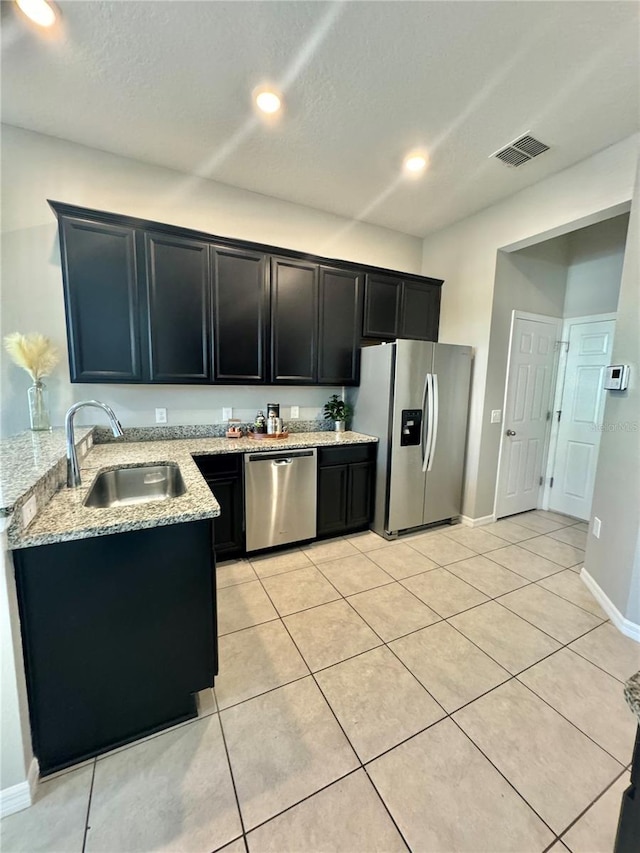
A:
[170,82]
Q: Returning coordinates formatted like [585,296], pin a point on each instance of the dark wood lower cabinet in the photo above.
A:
[332,499]
[119,633]
[345,488]
[224,477]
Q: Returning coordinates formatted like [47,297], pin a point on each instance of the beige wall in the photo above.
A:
[613,560]
[466,254]
[595,257]
[37,167]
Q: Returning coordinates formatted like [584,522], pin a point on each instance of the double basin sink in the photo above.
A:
[136,485]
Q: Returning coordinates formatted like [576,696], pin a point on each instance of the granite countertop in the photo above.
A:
[632,694]
[28,457]
[65,518]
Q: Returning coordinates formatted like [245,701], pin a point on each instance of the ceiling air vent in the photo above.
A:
[521,150]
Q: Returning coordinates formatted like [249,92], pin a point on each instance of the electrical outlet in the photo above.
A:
[597,524]
[89,442]
[29,511]
[295,411]
[161,416]
[227,413]
[496,416]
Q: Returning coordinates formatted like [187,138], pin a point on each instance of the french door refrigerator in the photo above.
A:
[414,395]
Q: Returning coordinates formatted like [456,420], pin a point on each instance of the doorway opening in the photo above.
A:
[563,296]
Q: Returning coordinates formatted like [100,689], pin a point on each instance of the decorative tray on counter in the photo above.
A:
[260,436]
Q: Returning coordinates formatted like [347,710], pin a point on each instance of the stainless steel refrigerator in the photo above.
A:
[414,395]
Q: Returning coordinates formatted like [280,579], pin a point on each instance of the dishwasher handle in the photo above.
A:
[283,461]
[284,457]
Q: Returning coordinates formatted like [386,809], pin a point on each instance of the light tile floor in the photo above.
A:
[459,690]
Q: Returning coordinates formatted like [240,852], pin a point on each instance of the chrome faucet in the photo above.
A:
[73,468]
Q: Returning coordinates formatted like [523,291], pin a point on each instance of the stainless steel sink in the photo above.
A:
[142,484]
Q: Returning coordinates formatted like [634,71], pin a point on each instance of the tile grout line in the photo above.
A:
[591,804]
[348,740]
[511,785]
[86,823]
[447,716]
[233,781]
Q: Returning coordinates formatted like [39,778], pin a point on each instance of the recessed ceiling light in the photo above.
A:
[40,12]
[415,164]
[268,101]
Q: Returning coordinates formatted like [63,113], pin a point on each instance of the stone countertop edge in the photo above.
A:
[64,518]
[632,694]
[28,458]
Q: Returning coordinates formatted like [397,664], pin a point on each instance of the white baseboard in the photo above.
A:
[20,796]
[477,522]
[625,626]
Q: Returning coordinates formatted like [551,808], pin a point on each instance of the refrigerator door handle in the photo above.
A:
[428,420]
[434,431]
[423,436]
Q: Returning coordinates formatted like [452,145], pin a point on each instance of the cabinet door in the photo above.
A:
[239,315]
[294,321]
[359,494]
[101,300]
[381,307]
[339,328]
[178,291]
[332,499]
[126,602]
[420,311]
[227,527]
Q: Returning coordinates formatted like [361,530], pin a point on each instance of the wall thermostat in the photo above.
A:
[616,377]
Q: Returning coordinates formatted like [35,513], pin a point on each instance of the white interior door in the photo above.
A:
[530,379]
[582,410]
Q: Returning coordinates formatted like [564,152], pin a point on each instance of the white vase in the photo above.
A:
[340,426]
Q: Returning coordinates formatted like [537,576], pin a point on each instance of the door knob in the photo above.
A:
[511,432]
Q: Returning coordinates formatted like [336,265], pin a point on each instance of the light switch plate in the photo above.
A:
[161,416]
[29,511]
[496,416]
[597,524]
[227,413]
[295,411]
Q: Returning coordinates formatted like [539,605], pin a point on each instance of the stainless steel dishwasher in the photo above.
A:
[280,497]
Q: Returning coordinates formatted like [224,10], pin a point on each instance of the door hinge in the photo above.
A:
[559,344]
[541,479]
[548,416]
[551,483]
[559,413]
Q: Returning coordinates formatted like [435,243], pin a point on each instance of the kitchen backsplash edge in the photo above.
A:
[103,435]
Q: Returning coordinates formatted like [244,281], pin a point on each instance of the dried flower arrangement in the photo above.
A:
[34,353]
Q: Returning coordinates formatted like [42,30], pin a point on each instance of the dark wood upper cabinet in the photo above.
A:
[382,300]
[240,315]
[294,321]
[101,300]
[397,308]
[339,330]
[154,303]
[420,313]
[178,286]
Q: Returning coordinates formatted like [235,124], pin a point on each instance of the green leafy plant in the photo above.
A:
[336,409]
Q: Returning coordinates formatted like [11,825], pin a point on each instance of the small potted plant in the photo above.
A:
[338,411]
